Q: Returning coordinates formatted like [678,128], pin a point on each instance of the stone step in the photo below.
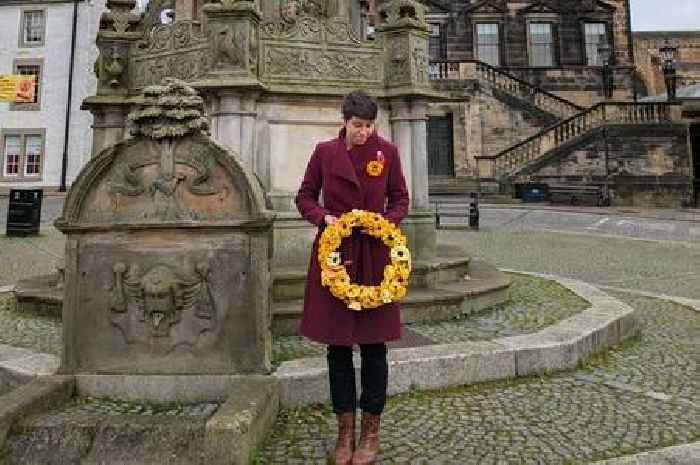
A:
[289,282]
[100,431]
[485,286]
[81,439]
[438,291]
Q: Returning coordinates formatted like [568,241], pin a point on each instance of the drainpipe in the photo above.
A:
[64,161]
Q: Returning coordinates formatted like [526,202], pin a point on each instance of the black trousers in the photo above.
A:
[374,373]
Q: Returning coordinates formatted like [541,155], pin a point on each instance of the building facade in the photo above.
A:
[649,63]
[544,91]
[36,38]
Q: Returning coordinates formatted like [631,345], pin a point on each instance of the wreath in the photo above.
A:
[334,275]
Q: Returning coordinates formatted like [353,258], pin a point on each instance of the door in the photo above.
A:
[440,156]
[695,153]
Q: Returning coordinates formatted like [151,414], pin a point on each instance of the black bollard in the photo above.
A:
[474,211]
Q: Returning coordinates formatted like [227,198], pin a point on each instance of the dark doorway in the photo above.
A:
[695,154]
[440,156]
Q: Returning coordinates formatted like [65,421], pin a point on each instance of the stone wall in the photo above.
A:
[646,52]
[647,165]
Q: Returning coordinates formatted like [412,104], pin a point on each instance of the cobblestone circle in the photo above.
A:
[600,411]
[534,303]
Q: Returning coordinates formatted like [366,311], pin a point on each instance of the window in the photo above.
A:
[488,44]
[33,28]
[32,151]
[29,67]
[12,155]
[541,44]
[23,154]
[595,35]
[436,43]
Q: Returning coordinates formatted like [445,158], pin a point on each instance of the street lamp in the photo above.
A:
[668,55]
[604,54]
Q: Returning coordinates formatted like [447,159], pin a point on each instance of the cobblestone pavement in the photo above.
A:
[600,411]
[640,397]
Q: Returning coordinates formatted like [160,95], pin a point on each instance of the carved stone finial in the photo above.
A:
[170,110]
[402,13]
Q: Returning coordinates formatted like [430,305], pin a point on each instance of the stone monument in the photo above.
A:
[168,251]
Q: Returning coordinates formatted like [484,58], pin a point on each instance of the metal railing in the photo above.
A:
[506,82]
[514,158]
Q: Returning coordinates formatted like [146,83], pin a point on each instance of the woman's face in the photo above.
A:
[358,130]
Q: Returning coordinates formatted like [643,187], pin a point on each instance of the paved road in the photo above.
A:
[601,222]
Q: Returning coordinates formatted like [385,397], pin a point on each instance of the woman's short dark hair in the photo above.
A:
[358,103]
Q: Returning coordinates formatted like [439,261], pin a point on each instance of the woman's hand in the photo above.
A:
[330,219]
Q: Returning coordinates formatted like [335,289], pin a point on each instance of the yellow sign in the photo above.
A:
[17,88]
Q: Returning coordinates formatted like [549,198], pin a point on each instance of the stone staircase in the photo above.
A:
[509,163]
[439,289]
[507,83]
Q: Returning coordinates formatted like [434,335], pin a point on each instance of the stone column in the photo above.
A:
[233,124]
[248,115]
[409,130]
[228,122]
[108,126]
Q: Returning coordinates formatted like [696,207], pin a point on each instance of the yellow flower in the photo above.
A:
[375,168]
[353,291]
[333,259]
[400,254]
[387,296]
[389,272]
[369,297]
[403,270]
[355,305]
[345,224]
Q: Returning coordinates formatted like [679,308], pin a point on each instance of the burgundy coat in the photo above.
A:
[342,177]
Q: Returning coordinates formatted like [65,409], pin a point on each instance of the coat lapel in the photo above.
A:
[342,166]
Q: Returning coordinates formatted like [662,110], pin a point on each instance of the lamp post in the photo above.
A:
[604,54]
[668,55]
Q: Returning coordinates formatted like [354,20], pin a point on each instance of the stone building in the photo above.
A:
[530,100]
[646,56]
[36,37]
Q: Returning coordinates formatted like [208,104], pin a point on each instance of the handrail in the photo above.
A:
[503,80]
[532,148]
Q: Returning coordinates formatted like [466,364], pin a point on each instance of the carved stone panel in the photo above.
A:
[179,50]
[305,63]
[157,181]
[167,301]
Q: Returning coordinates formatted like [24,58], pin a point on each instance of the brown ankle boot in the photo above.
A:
[367,451]
[346,439]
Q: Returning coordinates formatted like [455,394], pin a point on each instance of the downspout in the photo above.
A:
[64,162]
[630,40]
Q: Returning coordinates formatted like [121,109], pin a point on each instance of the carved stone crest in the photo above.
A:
[159,298]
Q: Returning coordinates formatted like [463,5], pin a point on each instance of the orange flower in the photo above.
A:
[375,168]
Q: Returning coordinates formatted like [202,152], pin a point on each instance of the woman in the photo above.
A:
[338,167]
